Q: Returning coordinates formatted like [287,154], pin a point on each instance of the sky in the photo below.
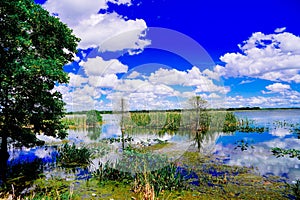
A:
[157,54]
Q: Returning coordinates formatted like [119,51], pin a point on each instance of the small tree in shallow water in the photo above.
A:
[202,118]
[34,46]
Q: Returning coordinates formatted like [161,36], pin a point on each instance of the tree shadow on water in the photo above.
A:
[20,173]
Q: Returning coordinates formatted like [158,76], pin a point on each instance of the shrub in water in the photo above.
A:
[70,155]
[230,123]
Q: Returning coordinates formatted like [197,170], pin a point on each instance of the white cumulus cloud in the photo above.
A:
[108,31]
[99,67]
[278,87]
[274,57]
[191,78]
[106,81]
[76,80]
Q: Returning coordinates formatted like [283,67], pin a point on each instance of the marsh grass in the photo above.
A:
[296,189]
[149,174]
[75,121]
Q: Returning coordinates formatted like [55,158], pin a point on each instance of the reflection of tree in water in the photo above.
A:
[200,119]
[94,132]
[21,174]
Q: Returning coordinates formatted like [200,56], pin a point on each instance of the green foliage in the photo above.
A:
[133,169]
[119,139]
[230,123]
[165,178]
[74,120]
[292,153]
[110,172]
[160,141]
[248,126]
[138,160]
[243,145]
[201,118]
[172,122]
[140,119]
[70,155]
[34,46]
[93,117]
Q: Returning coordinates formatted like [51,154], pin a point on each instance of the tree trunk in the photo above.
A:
[4,155]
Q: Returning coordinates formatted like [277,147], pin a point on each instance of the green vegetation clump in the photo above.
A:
[172,122]
[296,189]
[74,121]
[70,155]
[139,169]
[89,118]
[140,119]
[230,123]
[93,117]
[292,153]
[248,126]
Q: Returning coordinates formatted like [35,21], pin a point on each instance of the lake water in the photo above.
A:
[258,155]
[279,134]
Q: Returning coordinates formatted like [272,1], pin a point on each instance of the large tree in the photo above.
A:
[34,47]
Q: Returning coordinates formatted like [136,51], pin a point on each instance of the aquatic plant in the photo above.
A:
[143,170]
[243,145]
[118,139]
[172,121]
[296,189]
[165,178]
[248,126]
[230,123]
[74,121]
[292,153]
[159,141]
[140,118]
[70,155]
[249,129]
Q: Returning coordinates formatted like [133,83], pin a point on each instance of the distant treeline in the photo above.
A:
[258,108]
[244,108]
[85,111]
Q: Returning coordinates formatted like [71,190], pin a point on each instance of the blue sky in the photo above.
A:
[158,53]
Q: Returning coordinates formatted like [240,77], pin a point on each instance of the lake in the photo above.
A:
[227,147]
[279,134]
